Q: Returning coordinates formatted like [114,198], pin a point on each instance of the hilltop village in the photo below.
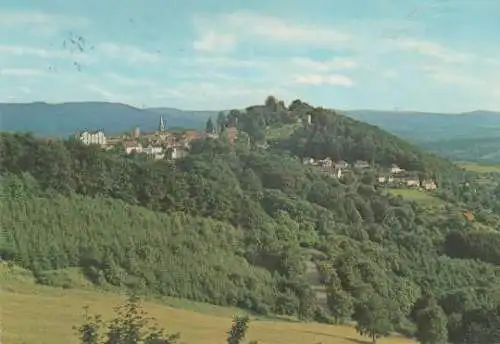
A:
[161,144]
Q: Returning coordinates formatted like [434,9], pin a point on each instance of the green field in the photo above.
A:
[419,196]
[38,314]
[480,168]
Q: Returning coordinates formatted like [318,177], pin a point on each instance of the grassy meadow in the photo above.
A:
[42,315]
[419,196]
[480,168]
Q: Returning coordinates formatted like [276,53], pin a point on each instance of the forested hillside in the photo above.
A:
[235,225]
[342,137]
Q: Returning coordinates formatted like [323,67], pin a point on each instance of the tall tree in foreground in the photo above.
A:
[373,318]
[238,330]
[130,326]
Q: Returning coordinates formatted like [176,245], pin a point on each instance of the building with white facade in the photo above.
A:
[152,150]
[93,138]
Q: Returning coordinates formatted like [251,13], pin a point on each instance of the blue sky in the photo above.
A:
[440,55]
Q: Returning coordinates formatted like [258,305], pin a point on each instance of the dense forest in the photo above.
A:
[236,224]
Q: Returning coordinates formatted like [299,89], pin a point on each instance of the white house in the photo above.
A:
[152,150]
[93,138]
[341,164]
[412,182]
[429,185]
[396,169]
[327,162]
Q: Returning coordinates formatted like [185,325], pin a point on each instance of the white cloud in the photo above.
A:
[248,26]
[22,18]
[223,62]
[21,72]
[127,53]
[15,99]
[20,50]
[206,91]
[323,66]
[40,23]
[316,80]
[280,30]
[432,49]
[215,42]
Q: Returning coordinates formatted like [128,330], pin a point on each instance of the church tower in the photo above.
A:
[161,126]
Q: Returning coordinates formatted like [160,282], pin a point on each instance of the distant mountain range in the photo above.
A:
[64,119]
[473,136]
[428,127]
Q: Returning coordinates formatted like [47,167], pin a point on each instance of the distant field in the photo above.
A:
[42,315]
[480,168]
[417,196]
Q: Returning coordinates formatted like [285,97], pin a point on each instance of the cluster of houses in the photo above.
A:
[394,176]
[160,144]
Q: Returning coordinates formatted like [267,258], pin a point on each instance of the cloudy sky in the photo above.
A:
[440,55]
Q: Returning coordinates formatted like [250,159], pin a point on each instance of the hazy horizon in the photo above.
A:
[402,111]
[433,56]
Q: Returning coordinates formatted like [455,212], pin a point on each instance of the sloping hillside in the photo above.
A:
[244,219]
[343,138]
[33,314]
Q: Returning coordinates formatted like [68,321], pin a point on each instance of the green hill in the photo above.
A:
[343,138]
[238,225]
